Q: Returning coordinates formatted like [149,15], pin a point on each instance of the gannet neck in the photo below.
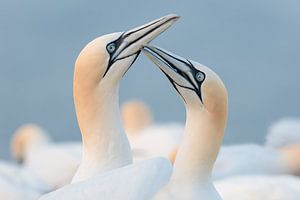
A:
[105,145]
[200,145]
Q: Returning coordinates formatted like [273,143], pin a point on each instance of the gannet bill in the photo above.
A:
[98,70]
[205,98]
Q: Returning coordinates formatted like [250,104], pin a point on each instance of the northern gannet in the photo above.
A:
[98,71]
[205,98]
[136,116]
[259,187]
[33,147]
[149,139]
[102,173]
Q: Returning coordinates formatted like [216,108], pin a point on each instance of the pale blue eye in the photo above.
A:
[111,47]
[199,76]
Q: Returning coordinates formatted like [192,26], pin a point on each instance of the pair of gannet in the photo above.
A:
[102,173]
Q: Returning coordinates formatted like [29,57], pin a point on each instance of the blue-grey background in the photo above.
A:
[253,45]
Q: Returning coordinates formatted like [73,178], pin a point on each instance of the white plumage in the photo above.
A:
[259,187]
[16,183]
[248,159]
[156,140]
[46,159]
[285,131]
[139,181]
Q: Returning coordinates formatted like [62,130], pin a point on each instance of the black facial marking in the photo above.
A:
[195,72]
[174,84]
[116,43]
[132,62]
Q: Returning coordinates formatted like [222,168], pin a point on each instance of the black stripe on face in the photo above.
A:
[192,69]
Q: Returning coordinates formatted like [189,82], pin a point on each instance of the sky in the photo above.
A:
[253,45]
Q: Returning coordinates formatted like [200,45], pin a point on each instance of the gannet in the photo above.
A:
[259,187]
[102,173]
[283,132]
[33,147]
[147,138]
[136,116]
[205,98]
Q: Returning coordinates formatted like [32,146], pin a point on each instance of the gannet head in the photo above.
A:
[107,58]
[198,85]
[136,116]
[26,137]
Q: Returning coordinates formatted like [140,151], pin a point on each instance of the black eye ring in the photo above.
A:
[199,76]
[111,47]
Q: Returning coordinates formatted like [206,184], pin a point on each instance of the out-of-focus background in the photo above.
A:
[253,45]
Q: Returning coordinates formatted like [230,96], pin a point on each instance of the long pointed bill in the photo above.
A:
[180,71]
[132,41]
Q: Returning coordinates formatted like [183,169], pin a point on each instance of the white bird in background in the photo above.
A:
[136,116]
[45,159]
[284,132]
[205,98]
[250,159]
[147,139]
[259,187]
[98,71]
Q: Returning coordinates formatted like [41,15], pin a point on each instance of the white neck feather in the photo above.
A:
[105,146]
[197,153]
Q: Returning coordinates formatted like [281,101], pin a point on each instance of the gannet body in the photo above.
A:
[259,187]
[11,191]
[249,159]
[283,132]
[98,70]
[18,183]
[205,98]
[44,158]
[139,181]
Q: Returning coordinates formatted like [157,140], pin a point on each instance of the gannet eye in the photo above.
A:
[199,76]
[111,47]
